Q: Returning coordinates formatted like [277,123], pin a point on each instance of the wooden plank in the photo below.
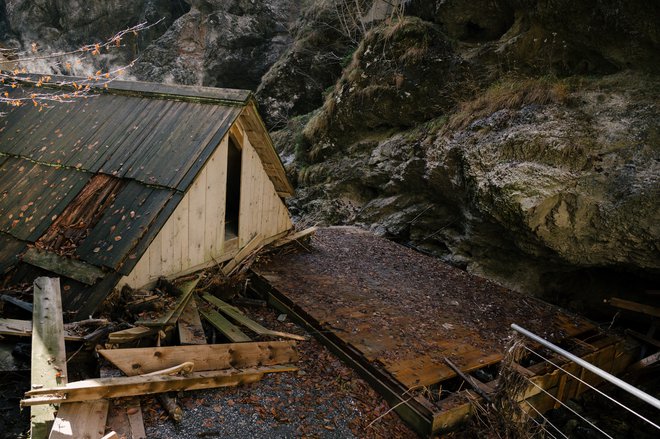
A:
[170,254]
[155,265]
[48,352]
[23,328]
[190,325]
[67,267]
[214,194]
[295,236]
[224,326]
[135,420]
[80,420]
[652,311]
[645,338]
[130,334]
[25,306]
[136,361]
[172,315]
[111,435]
[244,320]
[196,217]
[243,253]
[184,234]
[222,153]
[121,387]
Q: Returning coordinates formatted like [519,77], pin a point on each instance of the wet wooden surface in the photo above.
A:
[405,311]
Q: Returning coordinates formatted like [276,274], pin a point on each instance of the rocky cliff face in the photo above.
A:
[515,138]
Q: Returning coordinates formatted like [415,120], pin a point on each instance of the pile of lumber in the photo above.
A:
[173,356]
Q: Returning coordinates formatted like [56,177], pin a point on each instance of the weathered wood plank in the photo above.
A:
[130,334]
[224,326]
[243,253]
[244,320]
[190,327]
[48,351]
[196,217]
[146,385]
[80,420]
[67,267]
[135,420]
[136,361]
[172,315]
[294,237]
[23,328]
[25,306]
[652,311]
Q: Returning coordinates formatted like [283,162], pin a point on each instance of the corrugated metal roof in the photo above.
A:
[155,138]
[155,141]
[33,195]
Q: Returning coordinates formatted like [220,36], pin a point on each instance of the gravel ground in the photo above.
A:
[324,399]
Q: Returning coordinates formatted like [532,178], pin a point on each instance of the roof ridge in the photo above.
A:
[196,93]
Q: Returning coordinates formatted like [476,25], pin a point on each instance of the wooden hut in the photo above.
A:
[142,181]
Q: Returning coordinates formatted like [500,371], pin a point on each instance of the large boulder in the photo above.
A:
[531,178]
[402,74]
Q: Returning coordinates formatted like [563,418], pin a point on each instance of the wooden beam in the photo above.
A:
[48,352]
[172,315]
[294,237]
[645,338]
[80,420]
[652,311]
[224,326]
[242,254]
[244,320]
[25,306]
[146,385]
[130,334]
[137,361]
[135,420]
[67,267]
[23,328]
[191,331]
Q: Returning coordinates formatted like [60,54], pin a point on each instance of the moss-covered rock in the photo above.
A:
[402,74]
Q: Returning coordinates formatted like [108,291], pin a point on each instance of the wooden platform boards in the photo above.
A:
[395,314]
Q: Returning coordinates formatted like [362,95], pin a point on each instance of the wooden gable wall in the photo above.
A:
[193,236]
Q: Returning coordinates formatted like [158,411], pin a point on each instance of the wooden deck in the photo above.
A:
[395,315]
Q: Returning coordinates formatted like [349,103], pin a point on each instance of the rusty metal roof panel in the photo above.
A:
[123,224]
[33,195]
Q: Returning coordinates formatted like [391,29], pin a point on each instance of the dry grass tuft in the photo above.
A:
[510,94]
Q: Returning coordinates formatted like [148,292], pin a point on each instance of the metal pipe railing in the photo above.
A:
[591,368]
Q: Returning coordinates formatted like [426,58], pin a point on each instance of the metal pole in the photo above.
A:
[591,368]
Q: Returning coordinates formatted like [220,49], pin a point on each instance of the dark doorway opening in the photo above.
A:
[233,196]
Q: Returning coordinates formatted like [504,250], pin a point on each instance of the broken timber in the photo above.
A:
[243,253]
[244,320]
[190,325]
[48,351]
[80,420]
[227,328]
[171,317]
[146,385]
[23,328]
[205,357]
[67,267]
[629,305]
